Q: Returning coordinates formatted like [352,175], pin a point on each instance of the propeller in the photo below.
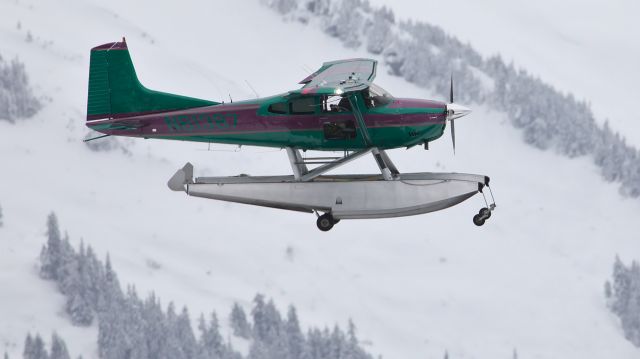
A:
[454,111]
[453,122]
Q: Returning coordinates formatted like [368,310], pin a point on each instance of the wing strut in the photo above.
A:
[298,165]
[360,120]
[388,169]
[300,172]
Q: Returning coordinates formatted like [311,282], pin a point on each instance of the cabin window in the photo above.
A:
[335,104]
[302,106]
[376,96]
[279,108]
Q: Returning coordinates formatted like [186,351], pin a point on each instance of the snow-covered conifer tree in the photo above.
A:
[259,321]
[185,336]
[50,257]
[58,348]
[378,30]
[239,323]
[16,98]
[625,298]
[34,348]
[296,342]
[211,342]
[345,22]
[155,326]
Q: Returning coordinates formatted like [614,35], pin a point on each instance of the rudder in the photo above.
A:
[115,91]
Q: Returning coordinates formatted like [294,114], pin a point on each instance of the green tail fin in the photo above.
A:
[115,91]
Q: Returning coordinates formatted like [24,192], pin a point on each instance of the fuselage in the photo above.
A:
[304,122]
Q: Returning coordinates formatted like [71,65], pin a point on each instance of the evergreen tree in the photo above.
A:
[39,349]
[112,336]
[315,344]
[296,343]
[93,278]
[134,325]
[260,327]
[239,323]
[79,302]
[625,298]
[28,346]
[156,326]
[378,30]
[172,345]
[50,256]
[185,335]
[34,348]
[58,348]
[211,342]
[16,98]
[344,22]
[337,343]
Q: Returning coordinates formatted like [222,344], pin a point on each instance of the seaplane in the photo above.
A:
[337,109]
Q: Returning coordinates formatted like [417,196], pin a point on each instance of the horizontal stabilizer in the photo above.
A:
[181,178]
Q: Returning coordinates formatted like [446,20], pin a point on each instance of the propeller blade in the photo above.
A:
[451,90]
[453,124]
[453,135]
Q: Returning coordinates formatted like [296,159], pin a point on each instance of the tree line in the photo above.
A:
[426,55]
[130,327]
[35,348]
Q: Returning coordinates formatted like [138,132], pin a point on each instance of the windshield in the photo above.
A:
[376,96]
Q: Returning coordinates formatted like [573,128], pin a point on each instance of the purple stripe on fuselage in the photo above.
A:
[416,103]
[127,115]
[243,118]
[416,119]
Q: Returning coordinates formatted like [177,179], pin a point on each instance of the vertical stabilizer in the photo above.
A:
[115,91]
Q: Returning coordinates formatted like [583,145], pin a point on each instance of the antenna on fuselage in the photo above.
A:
[230,99]
[252,89]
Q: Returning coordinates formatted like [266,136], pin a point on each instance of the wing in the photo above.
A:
[338,77]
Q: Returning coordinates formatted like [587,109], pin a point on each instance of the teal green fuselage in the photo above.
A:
[399,123]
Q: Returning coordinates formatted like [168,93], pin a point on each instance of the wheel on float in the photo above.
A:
[485,212]
[325,222]
[478,220]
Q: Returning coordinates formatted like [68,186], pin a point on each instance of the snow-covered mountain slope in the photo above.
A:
[588,48]
[531,279]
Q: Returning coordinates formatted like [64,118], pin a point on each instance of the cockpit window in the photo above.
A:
[334,103]
[376,96]
[302,105]
[279,108]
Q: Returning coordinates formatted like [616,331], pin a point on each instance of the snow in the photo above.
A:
[588,47]
[531,278]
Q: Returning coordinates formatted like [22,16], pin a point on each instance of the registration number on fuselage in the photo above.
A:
[201,122]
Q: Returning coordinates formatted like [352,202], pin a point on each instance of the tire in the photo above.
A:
[478,220]
[325,222]
[486,213]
